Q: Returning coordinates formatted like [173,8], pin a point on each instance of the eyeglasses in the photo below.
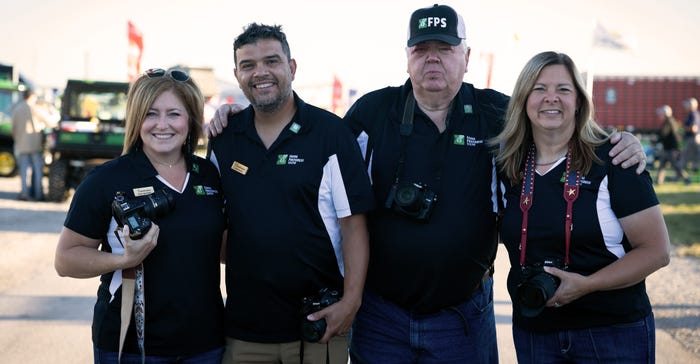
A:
[176,75]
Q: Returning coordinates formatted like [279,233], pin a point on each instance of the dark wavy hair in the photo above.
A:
[254,32]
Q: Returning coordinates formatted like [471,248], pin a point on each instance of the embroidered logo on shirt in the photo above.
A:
[294,128]
[240,168]
[200,190]
[468,109]
[288,159]
[282,159]
[467,140]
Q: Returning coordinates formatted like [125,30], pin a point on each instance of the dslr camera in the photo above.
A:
[312,331]
[413,200]
[537,287]
[138,212]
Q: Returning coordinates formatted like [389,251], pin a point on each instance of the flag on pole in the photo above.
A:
[352,96]
[606,38]
[134,51]
[337,94]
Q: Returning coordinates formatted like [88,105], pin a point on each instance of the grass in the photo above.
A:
[680,205]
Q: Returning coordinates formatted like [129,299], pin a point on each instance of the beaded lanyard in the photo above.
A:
[133,298]
[572,181]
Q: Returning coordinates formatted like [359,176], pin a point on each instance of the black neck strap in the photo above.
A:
[406,128]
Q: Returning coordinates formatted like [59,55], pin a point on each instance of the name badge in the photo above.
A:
[143,191]
[240,168]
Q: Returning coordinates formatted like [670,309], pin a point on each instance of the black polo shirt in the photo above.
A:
[607,194]
[283,206]
[184,306]
[428,266]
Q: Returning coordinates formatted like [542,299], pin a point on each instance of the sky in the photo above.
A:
[361,42]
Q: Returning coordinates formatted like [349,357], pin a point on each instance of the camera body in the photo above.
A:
[411,199]
[138,211]
[312,331]
[537,287]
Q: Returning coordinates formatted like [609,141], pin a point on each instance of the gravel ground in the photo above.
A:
[675,295]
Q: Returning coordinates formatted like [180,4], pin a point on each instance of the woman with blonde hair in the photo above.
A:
[582,234]
[151,224]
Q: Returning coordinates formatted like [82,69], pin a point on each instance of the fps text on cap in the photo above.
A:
[438,22]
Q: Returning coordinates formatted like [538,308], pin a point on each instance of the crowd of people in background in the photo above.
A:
[678,142]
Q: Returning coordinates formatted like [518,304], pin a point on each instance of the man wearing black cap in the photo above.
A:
[429,292]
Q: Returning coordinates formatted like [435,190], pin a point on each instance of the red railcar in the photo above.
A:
[630,102]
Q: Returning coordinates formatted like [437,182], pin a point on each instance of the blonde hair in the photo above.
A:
[691,103]
[516,137]
[664,110]
[144,91]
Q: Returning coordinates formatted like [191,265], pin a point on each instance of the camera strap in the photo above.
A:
[406,128]
[133,295]
[301,352]
[572,182]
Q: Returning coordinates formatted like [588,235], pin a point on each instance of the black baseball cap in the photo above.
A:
[438,22]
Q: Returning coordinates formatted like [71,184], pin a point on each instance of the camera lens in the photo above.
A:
[161,202]
[407,196]
[312,331]
[533,294]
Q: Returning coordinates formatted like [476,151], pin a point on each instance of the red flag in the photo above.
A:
[337,93]
[134,50]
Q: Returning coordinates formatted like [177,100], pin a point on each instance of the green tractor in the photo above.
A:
[9,94]
[8,162]
[89,133]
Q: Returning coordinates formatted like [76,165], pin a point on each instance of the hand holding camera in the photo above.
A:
[134,216]
[313,331]
[136,250]
[137,213]
[537,287]
[572,286]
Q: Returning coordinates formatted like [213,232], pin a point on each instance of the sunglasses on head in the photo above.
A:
[176,75]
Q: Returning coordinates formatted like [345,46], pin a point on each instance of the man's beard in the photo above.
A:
[268,104]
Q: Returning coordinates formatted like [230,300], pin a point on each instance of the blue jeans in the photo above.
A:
[34,161]
[112,357]
[633,342]
[385,333]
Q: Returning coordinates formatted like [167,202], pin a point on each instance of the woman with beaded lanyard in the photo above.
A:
[582,234]
[151,224]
